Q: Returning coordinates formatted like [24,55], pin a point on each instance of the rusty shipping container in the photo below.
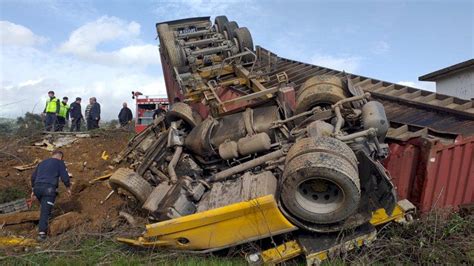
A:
[432,173]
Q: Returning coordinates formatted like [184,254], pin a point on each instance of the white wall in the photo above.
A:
[460,84]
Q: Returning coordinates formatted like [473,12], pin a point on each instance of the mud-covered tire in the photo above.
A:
[131,182]
[183,111]
[220,21]
[320,186]
[162,29]
[229,29]
[244,40]
[175,53]
[326,144]
[323,90]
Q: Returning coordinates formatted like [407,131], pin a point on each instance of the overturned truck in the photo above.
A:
[243,155]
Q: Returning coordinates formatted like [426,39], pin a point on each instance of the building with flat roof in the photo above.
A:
[456,80]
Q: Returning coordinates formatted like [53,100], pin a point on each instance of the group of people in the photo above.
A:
[57,113]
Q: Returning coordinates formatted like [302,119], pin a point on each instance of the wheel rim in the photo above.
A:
[319,195]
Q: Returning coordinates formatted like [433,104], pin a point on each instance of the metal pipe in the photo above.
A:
[194,33]
[339,120]
[351,99]
[337,110]
[203,42]
[173,162]
[364,133]
[159,173]
[247,165]
[210,50]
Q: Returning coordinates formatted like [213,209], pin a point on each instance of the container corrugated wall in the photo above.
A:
[449,180]
[432,174]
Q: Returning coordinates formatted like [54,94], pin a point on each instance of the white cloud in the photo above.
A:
[347,63]
[84,41]
[32,73]
[12,34]
[109,60]
[429,86]
[381,47]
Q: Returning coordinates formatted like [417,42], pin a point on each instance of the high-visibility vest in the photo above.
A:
[52,105]
[63,108]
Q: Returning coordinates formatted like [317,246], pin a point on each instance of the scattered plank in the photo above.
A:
[19,217]
[27,166]
[100,178]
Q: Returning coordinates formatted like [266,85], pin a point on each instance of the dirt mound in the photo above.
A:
[86,158]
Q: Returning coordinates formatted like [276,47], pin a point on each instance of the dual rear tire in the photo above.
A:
[320,181]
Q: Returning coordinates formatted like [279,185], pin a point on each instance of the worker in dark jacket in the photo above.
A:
[51,110]
[44,183]
[125,115]
[159,111]
[63,115]
[75,113]
[94,113]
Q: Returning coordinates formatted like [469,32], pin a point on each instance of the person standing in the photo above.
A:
[159,111]
[87,112]
[50,111]
[75,113]
[125,115]
[44,185]
[94,114]
[63,115]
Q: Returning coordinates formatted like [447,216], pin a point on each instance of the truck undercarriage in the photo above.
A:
[243,154]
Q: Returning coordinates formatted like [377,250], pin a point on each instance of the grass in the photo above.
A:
[434,239]
[437,238]
[11,194]
[92,252]
[95,251]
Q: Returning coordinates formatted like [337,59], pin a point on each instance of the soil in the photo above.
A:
[84,163]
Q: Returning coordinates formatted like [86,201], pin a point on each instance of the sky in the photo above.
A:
[108,48]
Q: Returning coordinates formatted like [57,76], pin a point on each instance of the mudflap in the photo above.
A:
[374,178]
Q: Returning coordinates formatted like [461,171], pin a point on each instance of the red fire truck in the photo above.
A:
[145,107]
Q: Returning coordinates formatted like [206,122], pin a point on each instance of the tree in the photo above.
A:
[29,124]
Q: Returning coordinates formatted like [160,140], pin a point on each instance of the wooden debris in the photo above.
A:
[45,145]
[108,197]
[27,166]
[19,217]
[100,178]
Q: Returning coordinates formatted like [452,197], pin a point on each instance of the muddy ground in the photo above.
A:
[84,162]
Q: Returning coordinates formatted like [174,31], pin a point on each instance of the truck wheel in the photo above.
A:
[163,29]
[220,21]
[320,186]
[131,182]
[308,145]
[229,29]
[244,40]
[175,53]
[183,111]
[323,90]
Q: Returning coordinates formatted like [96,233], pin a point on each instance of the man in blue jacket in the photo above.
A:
[75,113]
[44,183]
[94,113]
